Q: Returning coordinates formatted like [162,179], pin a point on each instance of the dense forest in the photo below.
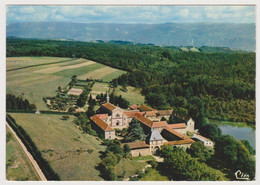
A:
[217,85]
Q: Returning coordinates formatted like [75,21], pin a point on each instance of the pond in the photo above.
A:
[239,133]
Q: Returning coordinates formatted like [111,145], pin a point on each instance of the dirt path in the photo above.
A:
[30,157]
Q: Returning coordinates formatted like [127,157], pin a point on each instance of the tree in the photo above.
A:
[107,165]
[90,99]
[179,165]
[198,150]
[90,111]
[115,147]
[127,150]
[248,146]
[234,155]
[135,132]
[211,131]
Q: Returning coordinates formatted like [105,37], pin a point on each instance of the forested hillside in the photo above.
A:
[214,85]
[238,36]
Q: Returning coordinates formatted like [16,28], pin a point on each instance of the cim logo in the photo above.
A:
[241,176]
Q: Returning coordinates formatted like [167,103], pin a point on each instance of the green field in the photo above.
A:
[36,82]
[133,95]
[111,76]
[18,167]
[63,145]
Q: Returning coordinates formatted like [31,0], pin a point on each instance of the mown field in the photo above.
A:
[63,145]
[38,77]
[133,95]
[18,167]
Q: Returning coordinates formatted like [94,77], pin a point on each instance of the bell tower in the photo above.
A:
[107,97]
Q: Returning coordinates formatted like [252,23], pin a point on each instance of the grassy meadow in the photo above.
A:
[18,166]
[127,167]
[133,95]
[63,145]
[39,77]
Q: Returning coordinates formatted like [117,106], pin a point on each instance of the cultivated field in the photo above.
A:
[18,167]
[63,145]
[38,77]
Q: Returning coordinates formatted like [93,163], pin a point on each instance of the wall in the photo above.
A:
[117,117]
[154,145]
[140,152]
[110,135]
[181,130]
[190,125]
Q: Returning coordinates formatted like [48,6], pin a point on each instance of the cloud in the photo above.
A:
[196,15]
[184,12]
[131,14]
[27,10]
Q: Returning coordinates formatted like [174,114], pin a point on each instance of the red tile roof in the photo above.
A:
[165,112]
[159,124]
[151,113]
[131,114]
[176,133]
[100,123]
[139,144]
[143,120]
[145,108]
[109,106]
[102,116]
[180,142]
[177,125]
[148,122]
[134,107]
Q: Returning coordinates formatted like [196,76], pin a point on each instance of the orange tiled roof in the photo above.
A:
[139,144]
[151,113]
[148,122]
[180,142]
[165,112]
[131,114]
[159,124]
[100,123]
[176,133]
[177,125]
[145,108]
[109,106]
[143,120]
[102,116]
[134,107]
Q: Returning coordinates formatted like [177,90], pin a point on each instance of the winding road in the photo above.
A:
[30,157]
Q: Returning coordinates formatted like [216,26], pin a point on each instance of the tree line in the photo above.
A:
[18,103]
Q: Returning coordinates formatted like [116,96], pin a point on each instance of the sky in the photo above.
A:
[131,14]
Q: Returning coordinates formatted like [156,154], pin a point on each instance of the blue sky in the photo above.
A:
[131,14]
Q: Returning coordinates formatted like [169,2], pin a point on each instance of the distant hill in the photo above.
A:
[238,36]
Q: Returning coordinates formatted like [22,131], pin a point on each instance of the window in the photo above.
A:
[117,115]
[117,123]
